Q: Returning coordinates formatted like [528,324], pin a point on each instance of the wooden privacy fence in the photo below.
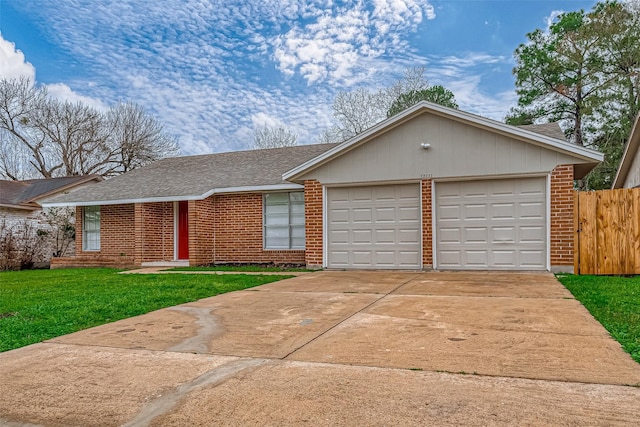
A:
[607,238]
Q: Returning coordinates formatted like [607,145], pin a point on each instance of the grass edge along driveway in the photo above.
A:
[38,305]
[614,301]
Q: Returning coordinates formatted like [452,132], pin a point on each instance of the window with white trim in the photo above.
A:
[283,220]
[91,228]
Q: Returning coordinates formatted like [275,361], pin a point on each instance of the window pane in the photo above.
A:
[284,220]
[91,228]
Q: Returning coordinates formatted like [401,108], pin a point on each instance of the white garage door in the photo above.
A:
[374,227]
[491,224]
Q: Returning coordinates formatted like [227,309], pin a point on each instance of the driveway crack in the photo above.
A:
[349,317]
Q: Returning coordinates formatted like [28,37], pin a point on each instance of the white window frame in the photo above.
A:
[290,226]
[91,229]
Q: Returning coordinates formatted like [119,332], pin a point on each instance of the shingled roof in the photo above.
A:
[25,194]
[197,177]
[548,129]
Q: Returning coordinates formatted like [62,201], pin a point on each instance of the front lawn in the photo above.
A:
[614,302]
[38,305]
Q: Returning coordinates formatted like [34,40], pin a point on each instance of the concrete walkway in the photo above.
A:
[337,348]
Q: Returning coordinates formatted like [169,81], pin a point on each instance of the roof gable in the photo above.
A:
[572,152]
[628,174]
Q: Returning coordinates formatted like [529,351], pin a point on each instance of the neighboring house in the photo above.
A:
[431,187]
[21,202]
[628,175]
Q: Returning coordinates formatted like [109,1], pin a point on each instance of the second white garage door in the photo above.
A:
[375,227]
[491,224]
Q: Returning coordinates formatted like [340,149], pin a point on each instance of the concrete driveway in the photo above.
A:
[337,348]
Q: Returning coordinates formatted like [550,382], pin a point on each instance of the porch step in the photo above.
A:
[165,264]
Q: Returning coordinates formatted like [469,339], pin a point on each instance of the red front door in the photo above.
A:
[183,230]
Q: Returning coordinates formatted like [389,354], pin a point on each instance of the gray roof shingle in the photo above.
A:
[552,130]
[186,177]
[24,194]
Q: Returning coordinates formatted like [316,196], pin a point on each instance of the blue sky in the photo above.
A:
[211,71]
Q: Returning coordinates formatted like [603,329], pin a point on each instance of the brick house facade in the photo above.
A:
[230,222]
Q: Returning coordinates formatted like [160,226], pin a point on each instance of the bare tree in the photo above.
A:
[19,101]
[138,138]
[362,108]
[64,138]
[273,137]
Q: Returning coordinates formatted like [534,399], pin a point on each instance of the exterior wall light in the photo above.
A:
[425,145]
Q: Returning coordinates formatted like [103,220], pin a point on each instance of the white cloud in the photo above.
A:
[64,93]
[332,47]
[210,74]
[13,63]
[464,76]
[552,17]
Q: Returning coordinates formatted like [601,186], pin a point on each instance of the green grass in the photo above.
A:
[242,268]
[615,302]
[37,305]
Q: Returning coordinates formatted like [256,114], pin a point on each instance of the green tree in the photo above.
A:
[584,72]
[437,94]
[558,73]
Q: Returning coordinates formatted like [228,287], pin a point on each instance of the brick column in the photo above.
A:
[562,232]
[313,223]
[427,221]
[138,231]
[79,233]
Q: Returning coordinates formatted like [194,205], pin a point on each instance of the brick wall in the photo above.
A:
[238,232]
[562,232]
[155,224]
[313,223]
[117,240]
[427,224]
[202,231]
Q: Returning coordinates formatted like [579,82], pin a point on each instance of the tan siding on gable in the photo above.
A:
[457,150]
[633,177]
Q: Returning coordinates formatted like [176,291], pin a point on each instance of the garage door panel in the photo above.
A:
[503,211]
[384,236]
[475,211]
[361,236]
[503,235]
[362,215]
[478,258]
[532,258]
[491,224]
[338,237]
[450,258]
[408,214]
[407,259]
[449,212]
[340,215]
[531,210]
[360,194]
[477,235]
[361,257]
[450,235]
[533,234]
[385,214]
[504,258]
[408,236]
[383,229]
